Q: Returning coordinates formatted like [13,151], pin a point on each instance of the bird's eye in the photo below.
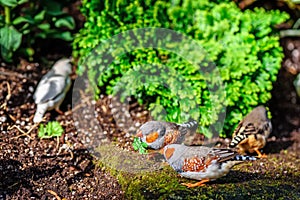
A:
[151,137]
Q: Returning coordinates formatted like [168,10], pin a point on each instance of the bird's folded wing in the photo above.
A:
[49,88]
[245,129]
[222,155]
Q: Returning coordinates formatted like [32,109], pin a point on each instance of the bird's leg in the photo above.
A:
[200,183]
[59,111]
[260,155]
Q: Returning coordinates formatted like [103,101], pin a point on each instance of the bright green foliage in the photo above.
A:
[139,145]
[52,129]
[244,47]
[24,21]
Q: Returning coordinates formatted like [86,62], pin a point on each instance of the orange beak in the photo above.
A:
[139,134]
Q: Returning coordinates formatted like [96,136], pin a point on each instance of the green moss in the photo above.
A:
[274,178]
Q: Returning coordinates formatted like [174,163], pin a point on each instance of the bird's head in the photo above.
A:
[260,111]
[152,133]
[63,67]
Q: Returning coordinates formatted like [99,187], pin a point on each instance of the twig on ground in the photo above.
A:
[4,105]
[57,142]
[23,132]
[7,98]
[54,194]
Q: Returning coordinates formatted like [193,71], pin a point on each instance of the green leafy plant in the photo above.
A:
[23,22]
[244,47]
[52,129]
[140,146]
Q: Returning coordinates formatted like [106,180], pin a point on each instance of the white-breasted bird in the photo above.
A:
[52,89]
[202,163]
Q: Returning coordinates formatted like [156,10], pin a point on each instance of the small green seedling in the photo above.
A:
[52,129]
[140,146]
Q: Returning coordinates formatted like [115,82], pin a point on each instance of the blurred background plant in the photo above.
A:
[290,6]
[244,46]
[25,23]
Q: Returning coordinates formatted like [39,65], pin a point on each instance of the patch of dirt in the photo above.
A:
[40,169]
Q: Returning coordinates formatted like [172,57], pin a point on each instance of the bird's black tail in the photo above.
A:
[244,158]
[192,125]
[236,140]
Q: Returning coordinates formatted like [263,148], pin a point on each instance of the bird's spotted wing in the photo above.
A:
[199,163]
[172,137]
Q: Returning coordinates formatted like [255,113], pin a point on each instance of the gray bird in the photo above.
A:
[252,132]
[201,163]
[158,134]
[52,89]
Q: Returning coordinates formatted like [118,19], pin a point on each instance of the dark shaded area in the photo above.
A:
[14,177]
[285,104]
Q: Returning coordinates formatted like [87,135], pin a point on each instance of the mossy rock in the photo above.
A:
[276,177]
